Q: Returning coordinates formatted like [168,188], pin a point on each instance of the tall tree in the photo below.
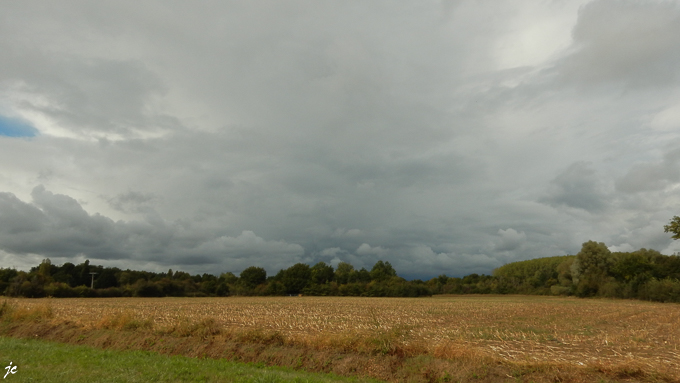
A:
[296,278]
[591,268]
[382,271]
[322,273]
[343,272]
[253,276]
[673,227]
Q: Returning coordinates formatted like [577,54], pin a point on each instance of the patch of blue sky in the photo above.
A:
[11,127]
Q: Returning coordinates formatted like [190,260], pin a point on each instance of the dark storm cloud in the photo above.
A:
[56,225]
[442,137]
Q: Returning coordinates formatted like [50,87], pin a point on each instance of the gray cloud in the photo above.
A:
[510,239]
[631,42]
[578,186]
[652,176]
[131,201]
[56,225]
[444,138]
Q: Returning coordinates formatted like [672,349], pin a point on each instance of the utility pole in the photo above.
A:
[92,273]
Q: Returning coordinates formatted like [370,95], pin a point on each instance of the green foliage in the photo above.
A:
[591,268]
[628,265]
[143,288]
[29,285]
[296,278]
[228,278]
[275,288]
[60,290]
[343,272]
[222,289]
[664,290]
[673,227]
[322,273]
[45,268]
[535,276]
[361,276]
[6,275]
[253,276]
[106,279]
[594,258]
[595,271]
[382,271]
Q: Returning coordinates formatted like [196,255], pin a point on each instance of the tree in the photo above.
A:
[296,278]
[673,227]
[106,279]
[222,290]
[228,278]
[343,272]
[591,267]
[382,271]
[361,276]
[253,276]
[322,273]
[594,258]
[84,276]
[45,269]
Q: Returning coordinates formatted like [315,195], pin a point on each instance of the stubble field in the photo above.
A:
[642,337]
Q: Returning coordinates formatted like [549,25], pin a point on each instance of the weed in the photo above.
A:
[262,337]
[5,309]
[37,313]
[125,321]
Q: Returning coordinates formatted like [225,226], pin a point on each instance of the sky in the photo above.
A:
[445,137]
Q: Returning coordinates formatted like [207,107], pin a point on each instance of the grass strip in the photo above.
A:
[42,361]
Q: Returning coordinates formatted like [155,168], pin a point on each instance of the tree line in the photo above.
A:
[594,271]
[70,280]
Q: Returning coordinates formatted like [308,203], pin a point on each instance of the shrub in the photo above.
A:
[110,292]
[665,290]
[60,290]
[84,292]
[143,288]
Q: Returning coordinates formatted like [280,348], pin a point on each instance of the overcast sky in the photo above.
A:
[446,137]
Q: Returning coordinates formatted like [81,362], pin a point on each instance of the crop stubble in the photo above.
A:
[533,329]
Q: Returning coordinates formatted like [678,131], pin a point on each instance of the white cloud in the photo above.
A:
[510,240]
[624,247]
[366,249]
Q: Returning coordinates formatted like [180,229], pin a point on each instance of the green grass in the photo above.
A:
[41,361]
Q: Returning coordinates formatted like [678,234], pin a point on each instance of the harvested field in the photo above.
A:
[534,330]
